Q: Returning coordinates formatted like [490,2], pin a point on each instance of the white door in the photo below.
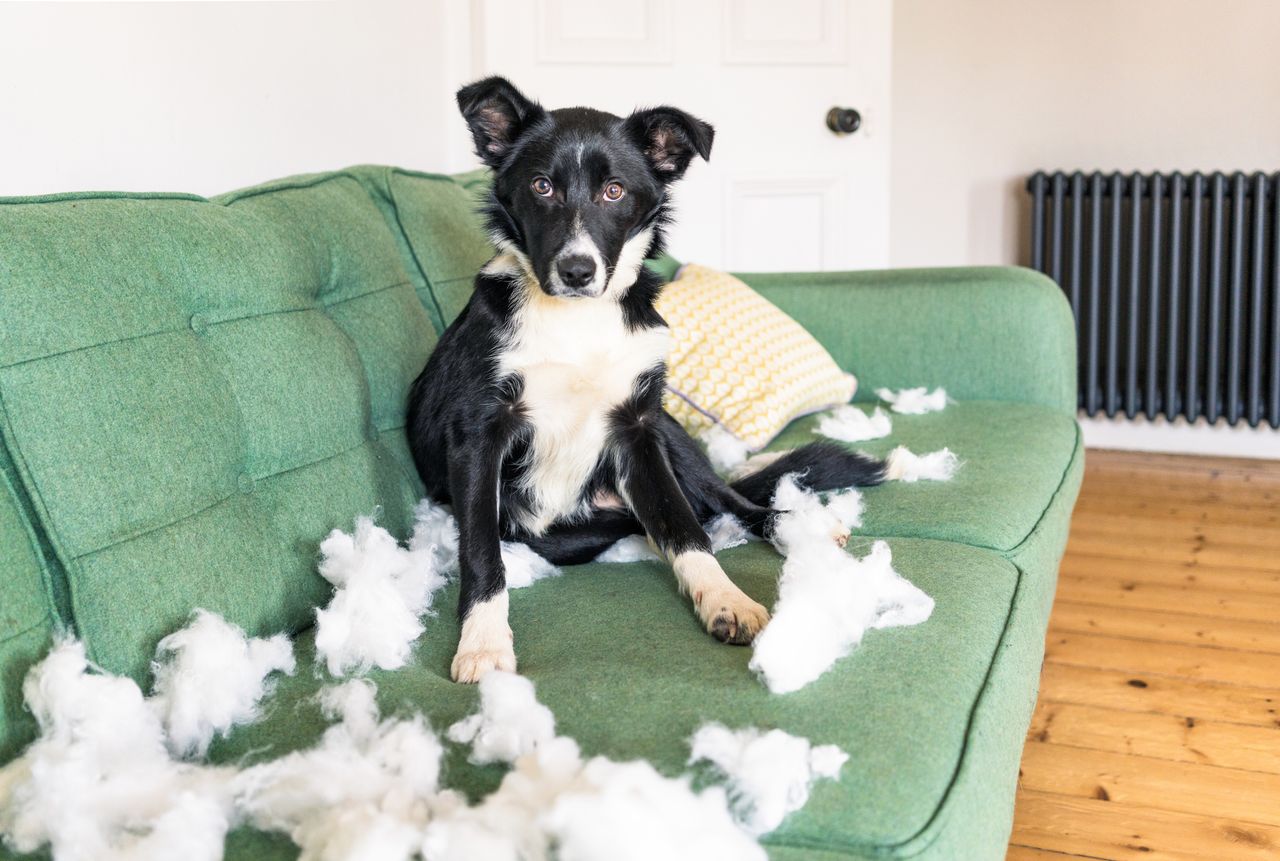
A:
[782,191]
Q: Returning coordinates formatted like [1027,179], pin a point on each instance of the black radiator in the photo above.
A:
[1175,284]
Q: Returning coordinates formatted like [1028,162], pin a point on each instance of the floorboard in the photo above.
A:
[1157,733]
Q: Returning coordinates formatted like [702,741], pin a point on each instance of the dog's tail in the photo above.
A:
[818,466]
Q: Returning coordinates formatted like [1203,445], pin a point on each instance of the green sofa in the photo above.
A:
[194,392]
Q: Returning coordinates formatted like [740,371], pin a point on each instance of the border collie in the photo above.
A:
[539,415]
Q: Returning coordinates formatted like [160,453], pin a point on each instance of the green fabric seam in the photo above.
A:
[43,620]
[295,183]
[437,313]
[376,183]
[73,196]
[1076,452]
[41,510]
[124,340]
[31,526]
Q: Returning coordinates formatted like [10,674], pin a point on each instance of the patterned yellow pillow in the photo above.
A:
[740,362]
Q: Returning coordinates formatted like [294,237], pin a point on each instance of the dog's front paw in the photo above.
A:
[470,666]
[731,616]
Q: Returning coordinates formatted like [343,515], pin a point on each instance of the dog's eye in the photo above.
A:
[542,186]
[614,191]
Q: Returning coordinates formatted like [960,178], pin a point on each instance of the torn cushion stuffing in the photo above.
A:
[739,362]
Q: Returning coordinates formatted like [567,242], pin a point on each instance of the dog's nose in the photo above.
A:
[577,270]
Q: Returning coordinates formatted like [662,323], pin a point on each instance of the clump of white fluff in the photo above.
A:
[724,450]
[850,424]
[366,790]
[99,783]
[914,401]
[724,531]
[826,598]
[769,773]
[903,465]
[629,812]
[210,677]
[436,531]
[382,590]
[554,804]
[510,723]
[633,548]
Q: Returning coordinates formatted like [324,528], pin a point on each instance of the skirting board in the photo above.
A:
[1181,437]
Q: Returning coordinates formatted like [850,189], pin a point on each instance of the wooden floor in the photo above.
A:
[1157,733]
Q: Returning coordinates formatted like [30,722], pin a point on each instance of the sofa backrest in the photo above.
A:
[194,392]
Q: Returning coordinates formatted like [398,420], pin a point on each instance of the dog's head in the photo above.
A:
[579,195]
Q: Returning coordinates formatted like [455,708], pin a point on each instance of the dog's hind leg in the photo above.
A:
[706,491]
[647,480]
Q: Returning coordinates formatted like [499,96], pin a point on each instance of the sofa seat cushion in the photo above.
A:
[193,392]
[1013,460]
[619,657]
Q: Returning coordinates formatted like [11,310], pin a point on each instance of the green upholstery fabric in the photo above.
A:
[194,392]
[1013,458]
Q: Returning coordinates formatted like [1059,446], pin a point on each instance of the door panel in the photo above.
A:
[781,192]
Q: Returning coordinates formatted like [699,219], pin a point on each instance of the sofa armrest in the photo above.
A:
[985,333]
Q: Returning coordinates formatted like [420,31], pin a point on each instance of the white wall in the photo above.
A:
[207,97]
[987,91]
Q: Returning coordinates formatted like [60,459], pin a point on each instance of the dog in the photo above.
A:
[539,414]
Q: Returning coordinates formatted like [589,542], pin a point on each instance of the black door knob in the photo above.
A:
[843,121]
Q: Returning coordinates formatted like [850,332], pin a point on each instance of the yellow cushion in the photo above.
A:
[738,361]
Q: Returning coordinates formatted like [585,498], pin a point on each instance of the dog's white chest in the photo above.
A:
[578,361]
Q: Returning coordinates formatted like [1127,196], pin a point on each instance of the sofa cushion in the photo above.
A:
[194,392]
[1013,459]
[620,658]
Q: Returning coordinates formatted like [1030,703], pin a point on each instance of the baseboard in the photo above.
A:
[1181,437]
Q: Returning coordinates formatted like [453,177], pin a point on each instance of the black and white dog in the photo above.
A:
[539,414]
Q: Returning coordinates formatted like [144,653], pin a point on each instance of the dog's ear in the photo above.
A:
[497,113]
[670,138]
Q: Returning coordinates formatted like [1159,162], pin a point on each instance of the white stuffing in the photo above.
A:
[510,723]
[850,424]
[633,548]
[914,402]
[210,677]
[769,773]
[99,784]
[726,531]
[627,811]
[365,791]
[826,598]
[903,465]
[436,531]
[523,566]
[382,590]
[724,450]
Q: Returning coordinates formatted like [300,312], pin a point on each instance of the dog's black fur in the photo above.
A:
[470,427]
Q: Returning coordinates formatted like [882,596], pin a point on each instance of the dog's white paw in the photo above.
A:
[486,642]
[471,666]
[731,616]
